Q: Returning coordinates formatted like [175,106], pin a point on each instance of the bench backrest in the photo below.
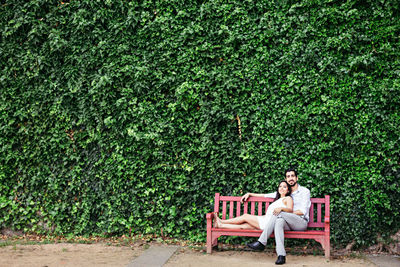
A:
[231,207]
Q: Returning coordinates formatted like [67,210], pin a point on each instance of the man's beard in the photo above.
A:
[293,184]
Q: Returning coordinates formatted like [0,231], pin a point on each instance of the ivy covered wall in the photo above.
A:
[119,116]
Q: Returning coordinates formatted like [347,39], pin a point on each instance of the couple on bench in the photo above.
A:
[289,211]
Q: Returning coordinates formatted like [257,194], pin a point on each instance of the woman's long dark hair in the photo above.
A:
[278,196]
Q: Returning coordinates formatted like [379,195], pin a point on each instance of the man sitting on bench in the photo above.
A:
[296,221]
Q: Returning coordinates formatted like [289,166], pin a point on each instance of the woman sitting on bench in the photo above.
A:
[283,202]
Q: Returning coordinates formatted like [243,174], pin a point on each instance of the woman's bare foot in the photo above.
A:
[215,223]
[218,222]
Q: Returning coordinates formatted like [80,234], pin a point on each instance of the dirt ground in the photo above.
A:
[247,258]
[66,254]
[90,255]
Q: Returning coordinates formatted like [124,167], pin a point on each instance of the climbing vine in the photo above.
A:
[127,116]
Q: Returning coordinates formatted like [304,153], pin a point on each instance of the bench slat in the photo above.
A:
[224,210]
[315,225]
[260,208]
[319,212]
[216,203]
[231,210]
[245,207]
[312,212]
[253,206]
[222,198]
[238,209]
[250,199]
[309,232]
[318,200]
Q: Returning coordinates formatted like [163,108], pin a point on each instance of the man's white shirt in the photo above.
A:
[301,200]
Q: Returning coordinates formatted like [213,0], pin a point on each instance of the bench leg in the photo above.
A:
[325,243]
[327,247]
[209,248]
[209,241]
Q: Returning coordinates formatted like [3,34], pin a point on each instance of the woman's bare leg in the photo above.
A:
[244,219]
[236,226]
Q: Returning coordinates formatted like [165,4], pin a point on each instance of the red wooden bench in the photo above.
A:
[318,226]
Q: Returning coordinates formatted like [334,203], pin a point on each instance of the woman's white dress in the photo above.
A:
[263,220]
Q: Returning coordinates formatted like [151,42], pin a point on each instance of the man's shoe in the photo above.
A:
[256,246]
[280,260]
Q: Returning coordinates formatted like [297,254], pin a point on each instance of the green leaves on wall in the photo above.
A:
[120,116]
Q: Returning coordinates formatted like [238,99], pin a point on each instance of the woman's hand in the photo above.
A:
[244,197]
[277,211]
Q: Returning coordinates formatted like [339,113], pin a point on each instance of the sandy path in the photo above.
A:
[100,254]
[64,254]
[254,259]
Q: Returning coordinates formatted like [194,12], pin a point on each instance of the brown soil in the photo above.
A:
[247,258]
[65,254]
[101,254]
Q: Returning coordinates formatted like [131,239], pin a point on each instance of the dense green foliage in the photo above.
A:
[120,116]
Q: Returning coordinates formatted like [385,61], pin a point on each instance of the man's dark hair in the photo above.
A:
[291,169]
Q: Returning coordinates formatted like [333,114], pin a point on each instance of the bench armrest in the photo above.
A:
[209,217]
